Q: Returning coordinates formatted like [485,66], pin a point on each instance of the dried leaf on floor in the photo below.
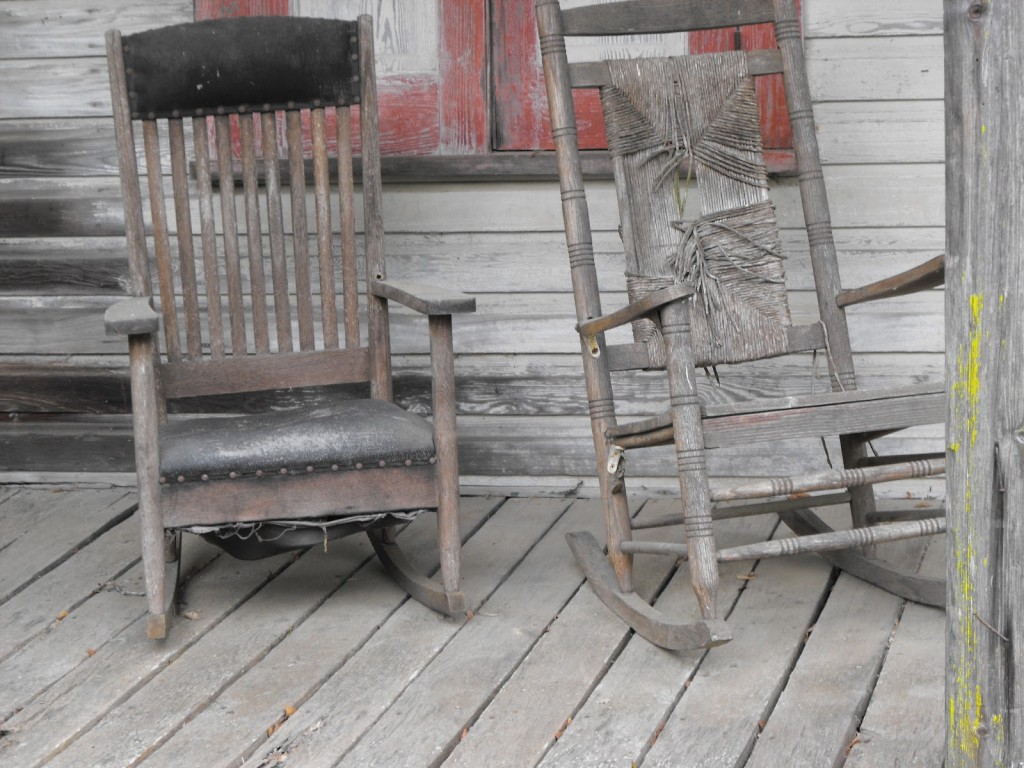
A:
[287,712]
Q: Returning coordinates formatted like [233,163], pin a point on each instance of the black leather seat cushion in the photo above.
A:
[343,435]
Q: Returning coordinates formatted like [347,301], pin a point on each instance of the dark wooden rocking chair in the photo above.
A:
[709,289]
[239,99]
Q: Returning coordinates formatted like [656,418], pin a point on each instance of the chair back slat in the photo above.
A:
[347,215]
[630,17]
[279,371]
[161,239]
[186,251]
[324,235]
[594,74]
[229,229]
[208,237]
[254,236]
[300,232]
[230,159]
[275,227]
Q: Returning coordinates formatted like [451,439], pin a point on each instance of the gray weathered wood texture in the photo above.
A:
[874,69]
[287,661]
[984,364]
[708,282]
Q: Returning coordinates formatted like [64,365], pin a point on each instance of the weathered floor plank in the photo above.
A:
[79,700]
[284,661]
[818,713]
[38,606]
[535,705]
[904,723]
[71,639]
[718,719]
[328,725]
[626,710]
[137,727]
[428,719]
[240,718]
[41,540]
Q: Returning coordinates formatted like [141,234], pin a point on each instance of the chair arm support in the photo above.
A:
[131,317]
[635,310]
[928,275]
[426,299]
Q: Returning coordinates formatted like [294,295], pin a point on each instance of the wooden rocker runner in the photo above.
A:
[706,286]
[255,310]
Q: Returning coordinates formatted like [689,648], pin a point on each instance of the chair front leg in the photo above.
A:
[690,455]
[145,411]
[442,360]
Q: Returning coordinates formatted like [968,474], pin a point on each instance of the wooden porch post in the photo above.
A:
[985,381]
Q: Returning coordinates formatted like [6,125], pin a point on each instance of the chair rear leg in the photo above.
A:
[862,562]
[862,498]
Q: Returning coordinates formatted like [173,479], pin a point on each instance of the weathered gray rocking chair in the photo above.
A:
[225,95]
[709,289]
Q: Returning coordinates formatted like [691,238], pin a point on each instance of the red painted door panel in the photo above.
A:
[520,109]
[440,112]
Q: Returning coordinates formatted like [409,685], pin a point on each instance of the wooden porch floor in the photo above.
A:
[319,659]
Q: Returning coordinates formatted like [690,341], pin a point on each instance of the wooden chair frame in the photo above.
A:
[239,86]
[856,416]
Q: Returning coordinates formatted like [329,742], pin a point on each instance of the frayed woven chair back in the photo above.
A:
[700,111]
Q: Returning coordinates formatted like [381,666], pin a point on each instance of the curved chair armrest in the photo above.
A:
[131,317]
[635,310]
[928,275]
[427,299]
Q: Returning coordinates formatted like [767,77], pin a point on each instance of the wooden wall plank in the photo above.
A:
[858,132]
[882,195]
[60,208]
[871,18]
[908,131]
[500,325]
[507,446]
[486,385]
[839,69]
[73,87]
[873,68]
[529,262]
[57,147]
[87,272]
[61,28]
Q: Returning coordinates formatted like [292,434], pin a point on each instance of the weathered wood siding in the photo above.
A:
[876,74]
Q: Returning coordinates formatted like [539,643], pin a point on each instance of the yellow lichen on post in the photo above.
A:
[967,707]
